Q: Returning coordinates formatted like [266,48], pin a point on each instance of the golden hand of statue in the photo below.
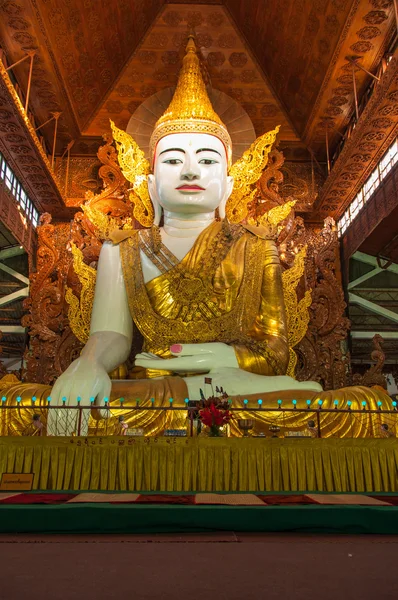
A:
[193,358]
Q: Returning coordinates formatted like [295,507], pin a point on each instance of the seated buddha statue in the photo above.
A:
[205,294]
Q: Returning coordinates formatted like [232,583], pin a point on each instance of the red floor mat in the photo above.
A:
[390,499]
[38,499]
[165,499]
[290,499]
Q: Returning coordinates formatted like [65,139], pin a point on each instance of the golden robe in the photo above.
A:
[239,303]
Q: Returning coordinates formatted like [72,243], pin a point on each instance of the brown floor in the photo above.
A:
[223,566]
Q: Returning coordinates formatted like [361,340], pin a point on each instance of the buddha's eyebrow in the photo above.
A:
[172,150]
[207,150]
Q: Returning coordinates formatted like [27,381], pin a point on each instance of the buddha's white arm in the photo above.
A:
[110,338]
[110,309]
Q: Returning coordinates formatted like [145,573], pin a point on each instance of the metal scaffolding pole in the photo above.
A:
[56,117]
[327,148]
[355,91]
[31,53]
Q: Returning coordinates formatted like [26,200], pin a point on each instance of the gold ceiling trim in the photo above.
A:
[375,131]
[21,110]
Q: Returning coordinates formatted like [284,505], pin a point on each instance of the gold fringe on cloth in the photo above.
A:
[208,464]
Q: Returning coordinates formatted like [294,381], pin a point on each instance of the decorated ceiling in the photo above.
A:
[285,62]
[228,64]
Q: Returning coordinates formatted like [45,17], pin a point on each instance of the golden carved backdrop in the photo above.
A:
[55,284]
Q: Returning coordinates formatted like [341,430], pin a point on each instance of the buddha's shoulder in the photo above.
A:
[258,231]
[117,236]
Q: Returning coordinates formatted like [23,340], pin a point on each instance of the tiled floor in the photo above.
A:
[221,566]
[204,538]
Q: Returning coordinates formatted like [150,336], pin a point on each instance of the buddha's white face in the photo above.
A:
[190,174]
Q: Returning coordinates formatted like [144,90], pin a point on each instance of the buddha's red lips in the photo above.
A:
[194,188]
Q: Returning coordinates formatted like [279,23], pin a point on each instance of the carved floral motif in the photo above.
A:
[361,47]
[216,59]
[375,17]
[368,33]
[374,375]
[381,3]
[238,59]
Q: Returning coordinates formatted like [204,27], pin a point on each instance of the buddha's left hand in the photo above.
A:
[191,358]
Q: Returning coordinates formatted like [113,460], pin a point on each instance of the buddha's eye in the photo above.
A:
[208,161]
[173,161]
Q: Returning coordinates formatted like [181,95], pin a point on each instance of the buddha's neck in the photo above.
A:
[186,226]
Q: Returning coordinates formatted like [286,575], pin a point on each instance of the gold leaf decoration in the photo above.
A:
[270,220]
[246,172]
[277,214]
[79,312]
[101,221]
[296,312]
[135,167]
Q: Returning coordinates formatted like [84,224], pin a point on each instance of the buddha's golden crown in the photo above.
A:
[190,110]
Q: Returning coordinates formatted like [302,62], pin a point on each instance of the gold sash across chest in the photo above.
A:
[199,307]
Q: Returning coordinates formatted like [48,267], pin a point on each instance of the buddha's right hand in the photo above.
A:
[84,379]
[87,377]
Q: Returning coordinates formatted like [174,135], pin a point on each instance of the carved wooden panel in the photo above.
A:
[375,131]
[366,35]
[80,177]
[302,181]
[22,150]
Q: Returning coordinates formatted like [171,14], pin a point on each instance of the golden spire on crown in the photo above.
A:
[190,110]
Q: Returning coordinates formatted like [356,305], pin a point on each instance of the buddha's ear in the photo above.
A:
[228,192]
[230,186]
[155,201]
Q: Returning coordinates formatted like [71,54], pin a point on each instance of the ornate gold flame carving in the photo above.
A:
[135,167]
[246,172]
[296,312]
[270,221]
[79,312]
[104,224]
[278,214]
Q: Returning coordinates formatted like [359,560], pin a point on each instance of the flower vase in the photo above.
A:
[215,431]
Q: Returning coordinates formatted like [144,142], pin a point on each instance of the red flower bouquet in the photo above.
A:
[215,417]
